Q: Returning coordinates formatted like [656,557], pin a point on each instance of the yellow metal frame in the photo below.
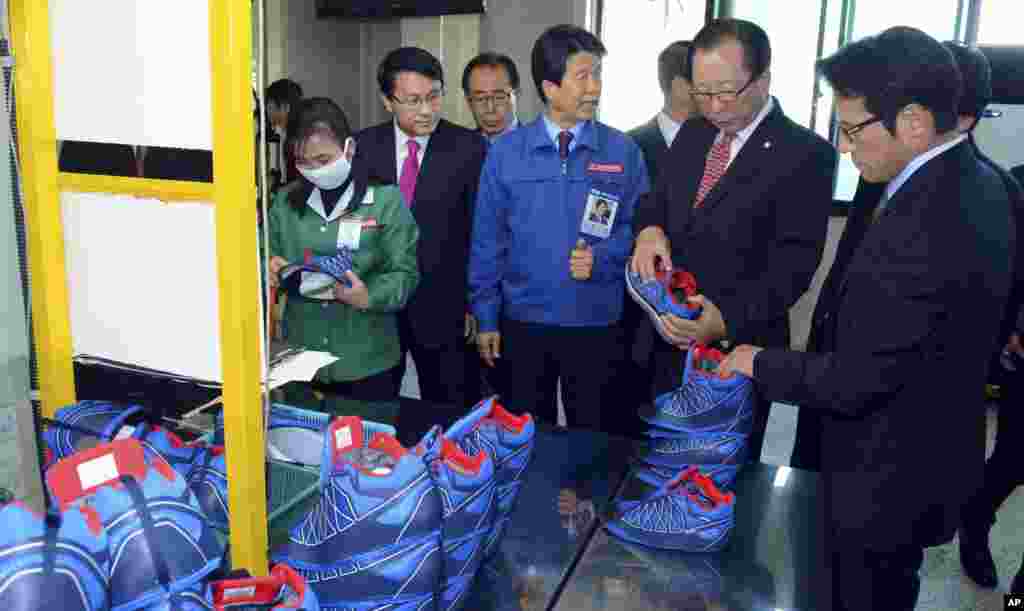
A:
[232,192]
[234,158]
[166,190]
[51,324]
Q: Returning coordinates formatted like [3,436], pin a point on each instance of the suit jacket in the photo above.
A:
[652,143]
[901,343]
[443,208]
[756,240]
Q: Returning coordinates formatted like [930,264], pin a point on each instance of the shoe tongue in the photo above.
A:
[344,436]
[80,474]
[506,419]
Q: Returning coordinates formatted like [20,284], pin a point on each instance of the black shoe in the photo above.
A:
[976,557]
[1017,587]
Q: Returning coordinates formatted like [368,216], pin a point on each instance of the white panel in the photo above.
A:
[132,71]
[1001,138]
[142,279]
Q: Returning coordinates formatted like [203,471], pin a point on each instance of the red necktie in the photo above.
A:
[714,167]
[410,169]
[564,138]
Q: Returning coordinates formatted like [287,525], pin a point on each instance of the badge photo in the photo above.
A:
[599,214]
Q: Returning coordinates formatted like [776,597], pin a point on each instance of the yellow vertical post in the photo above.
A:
[234,196]
[37,151]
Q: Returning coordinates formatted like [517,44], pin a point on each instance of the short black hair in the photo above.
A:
[284,92]
[553,49]
[315,115]
[757,49]
[495,60]
[900,66]
[976,73]
[407,59]
[673,61]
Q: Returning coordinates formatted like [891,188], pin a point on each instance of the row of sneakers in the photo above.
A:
[87,423]
[674,497]
[396,527]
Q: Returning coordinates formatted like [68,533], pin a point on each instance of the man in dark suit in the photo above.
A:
[490,83]
[436,164]
[744,209]
[905,336]
[656,136]
[1004,470]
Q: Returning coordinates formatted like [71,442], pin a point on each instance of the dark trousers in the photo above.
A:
[1004,470]
[669,364]
[377,387]
[586,359]
[447,377]
[865,579]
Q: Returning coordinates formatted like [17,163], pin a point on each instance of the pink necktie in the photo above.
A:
[410,169]
[714,168]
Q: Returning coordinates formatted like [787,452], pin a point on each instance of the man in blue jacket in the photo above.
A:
[546,282]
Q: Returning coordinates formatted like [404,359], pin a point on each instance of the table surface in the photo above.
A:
[553,561]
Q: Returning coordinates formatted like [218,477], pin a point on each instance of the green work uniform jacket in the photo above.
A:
[366,341]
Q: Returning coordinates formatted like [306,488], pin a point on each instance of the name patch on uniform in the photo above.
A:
[370,222]
[606,168]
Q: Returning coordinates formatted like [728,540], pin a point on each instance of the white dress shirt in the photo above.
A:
[744,134]
[402,149]
[669,128]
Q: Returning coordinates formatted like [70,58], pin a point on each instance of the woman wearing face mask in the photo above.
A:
[335,206]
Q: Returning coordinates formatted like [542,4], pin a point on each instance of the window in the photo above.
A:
[794,38]
[635,32]
[999,23]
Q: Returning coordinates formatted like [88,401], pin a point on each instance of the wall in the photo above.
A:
[339,59]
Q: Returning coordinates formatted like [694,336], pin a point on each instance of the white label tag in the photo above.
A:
[349,232]
[599,215]
[343,438]
[233,593]
[97,471]
[125,432]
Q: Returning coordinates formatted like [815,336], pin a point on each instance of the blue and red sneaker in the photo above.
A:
[85,424]
[508,439]
[665,294]
[373,539]
[52,562]
[707,401]
[315,278]
[161,545]
[688,513]
[283,589]
[719,455]
[467,487]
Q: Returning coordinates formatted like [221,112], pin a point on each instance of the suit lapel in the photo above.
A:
[435,150]
[753,159]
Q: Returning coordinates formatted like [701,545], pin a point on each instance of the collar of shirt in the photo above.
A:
[316,203]
[744,134]
[402,149]
[554,130]
[669,127]
[916,163]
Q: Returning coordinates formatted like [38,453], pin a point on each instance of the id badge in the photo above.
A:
[349,232]
[599,214]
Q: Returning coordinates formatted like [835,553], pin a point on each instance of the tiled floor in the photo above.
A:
[943,584]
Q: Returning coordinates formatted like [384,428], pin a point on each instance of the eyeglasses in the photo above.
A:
[726,97]
[414,103]
[498,98]
[850,132]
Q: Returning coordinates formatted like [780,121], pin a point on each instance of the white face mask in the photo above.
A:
[332,175]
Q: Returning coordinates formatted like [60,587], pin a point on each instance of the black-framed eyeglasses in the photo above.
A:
[850,132]
[498,98]
[725,97]
[415,102]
